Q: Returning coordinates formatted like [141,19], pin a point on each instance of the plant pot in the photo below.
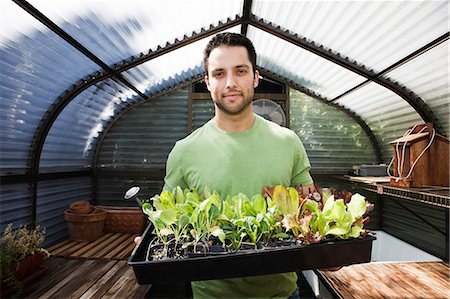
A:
[29,265]
[124,220]
[85,227]
[81,207]
[23,267]
[25,272]
[36,261]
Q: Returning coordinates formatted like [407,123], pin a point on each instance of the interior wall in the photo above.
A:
[53,198]
[422,225]
[135,149]
[334,142]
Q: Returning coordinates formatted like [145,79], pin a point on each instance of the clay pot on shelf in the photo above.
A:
[81,207]
[85,227]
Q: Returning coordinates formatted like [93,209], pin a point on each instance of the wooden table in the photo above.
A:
[390,280]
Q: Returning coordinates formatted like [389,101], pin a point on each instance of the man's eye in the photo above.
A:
[242,71]
[218,74]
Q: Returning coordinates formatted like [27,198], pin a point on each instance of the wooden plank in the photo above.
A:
[76,273]
[89,246]
[126,287]
[72,283]
[89,280]
[58,269]
[56,246]
[110,246]
[117,252]
[66,249]
[101,287]
[118,285]
[77,278]
[390,280]
[127,251]
[113,244]
[98,245]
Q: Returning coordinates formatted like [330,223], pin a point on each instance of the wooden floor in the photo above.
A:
[391,280]
[96,269]
[80,278]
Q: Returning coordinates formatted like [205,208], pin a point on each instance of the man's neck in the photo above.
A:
[234,123]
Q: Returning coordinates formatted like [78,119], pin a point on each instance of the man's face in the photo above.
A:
[230,79]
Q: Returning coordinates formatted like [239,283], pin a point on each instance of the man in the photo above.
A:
[238,151]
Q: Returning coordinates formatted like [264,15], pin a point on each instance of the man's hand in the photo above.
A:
[137,240]
[308,189]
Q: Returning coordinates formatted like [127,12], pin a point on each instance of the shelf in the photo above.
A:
[436,196]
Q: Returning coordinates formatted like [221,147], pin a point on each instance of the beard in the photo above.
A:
[234,109]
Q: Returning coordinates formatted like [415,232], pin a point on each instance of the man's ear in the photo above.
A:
[256,79]
[207,82]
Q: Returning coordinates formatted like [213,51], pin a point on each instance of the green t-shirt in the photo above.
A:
[240,162]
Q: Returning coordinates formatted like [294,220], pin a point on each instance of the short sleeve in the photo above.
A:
[300,171]
[174,170]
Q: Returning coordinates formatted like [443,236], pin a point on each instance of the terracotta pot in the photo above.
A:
[36,261]
[26,272]
[81,207]
[85,227]
[23,267]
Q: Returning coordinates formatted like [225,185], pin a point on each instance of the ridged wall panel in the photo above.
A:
[333,141]
[54,197]
[421,225]
[141,141]
[15,205]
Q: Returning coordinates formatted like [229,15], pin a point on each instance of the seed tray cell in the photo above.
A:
[268,260]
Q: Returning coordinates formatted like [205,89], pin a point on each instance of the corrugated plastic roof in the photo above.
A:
[385,61]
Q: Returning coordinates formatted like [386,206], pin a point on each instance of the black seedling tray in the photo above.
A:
[269,260]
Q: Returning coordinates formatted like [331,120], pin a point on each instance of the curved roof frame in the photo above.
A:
[65,98]
[247,19]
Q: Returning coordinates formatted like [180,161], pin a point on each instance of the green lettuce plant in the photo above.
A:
[314,220]
[191,217]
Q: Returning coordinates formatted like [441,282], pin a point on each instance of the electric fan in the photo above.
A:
[270,110]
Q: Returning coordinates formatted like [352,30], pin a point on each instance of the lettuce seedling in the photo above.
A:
[163,221]
[204,219]
[285,199]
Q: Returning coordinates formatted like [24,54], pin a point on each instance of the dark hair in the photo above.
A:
[229,39]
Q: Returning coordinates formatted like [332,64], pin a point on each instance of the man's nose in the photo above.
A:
[231,80]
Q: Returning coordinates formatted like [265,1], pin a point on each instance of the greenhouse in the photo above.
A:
[95,95]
